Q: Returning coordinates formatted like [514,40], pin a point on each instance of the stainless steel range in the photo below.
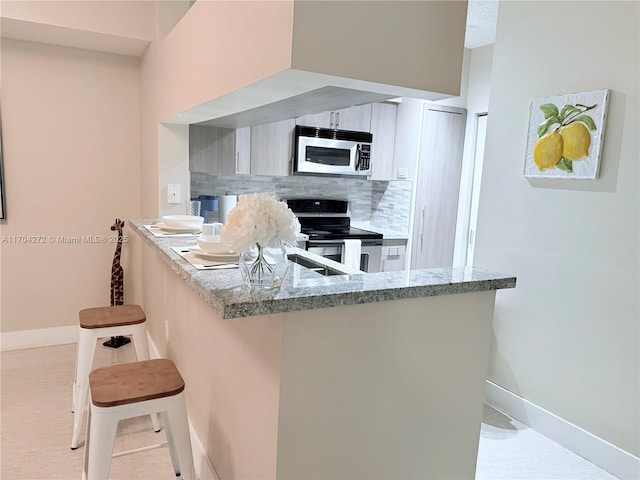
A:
[328,225]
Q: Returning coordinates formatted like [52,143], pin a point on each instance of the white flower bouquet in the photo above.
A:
[259,220]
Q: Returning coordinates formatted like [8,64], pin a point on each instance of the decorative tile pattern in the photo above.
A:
[304,289]
[386,205]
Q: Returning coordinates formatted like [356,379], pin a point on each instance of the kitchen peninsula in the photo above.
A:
[345,376]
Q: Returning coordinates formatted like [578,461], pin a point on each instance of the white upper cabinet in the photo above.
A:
[351,118]
[383,129]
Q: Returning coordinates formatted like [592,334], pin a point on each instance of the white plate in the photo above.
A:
[183,221]
[222,257]
[164,228]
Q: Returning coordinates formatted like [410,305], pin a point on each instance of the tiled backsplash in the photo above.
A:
[380,203]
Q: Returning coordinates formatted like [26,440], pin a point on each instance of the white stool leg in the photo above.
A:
[175,461]
[86,348]
[75,375]
[87,440]
[142,353]
[178,425]
[102,435]
[139,333]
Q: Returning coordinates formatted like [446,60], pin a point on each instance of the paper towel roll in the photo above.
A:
[226,203]
[351,253]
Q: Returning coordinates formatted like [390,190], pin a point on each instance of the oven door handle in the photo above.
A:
[324,243]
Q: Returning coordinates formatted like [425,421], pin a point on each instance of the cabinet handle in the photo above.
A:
[331,120]
[237,162]
[337,119]
[421,228]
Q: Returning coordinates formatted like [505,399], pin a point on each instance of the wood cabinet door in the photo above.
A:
[243,150]
[438,186]
[272,148]
[353,118]
[212,150]
[383,128]
[393,255]
[322,119]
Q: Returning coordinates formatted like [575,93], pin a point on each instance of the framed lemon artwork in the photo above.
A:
[565,135]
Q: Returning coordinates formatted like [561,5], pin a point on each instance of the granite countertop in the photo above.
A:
[304,289]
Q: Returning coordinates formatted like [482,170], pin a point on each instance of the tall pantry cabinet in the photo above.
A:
[437,186]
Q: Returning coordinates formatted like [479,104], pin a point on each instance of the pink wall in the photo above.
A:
[219,47]
[71,157]
[216,48]
[230,367]
[127,19]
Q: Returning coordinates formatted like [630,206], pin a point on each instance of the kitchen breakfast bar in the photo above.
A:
[355,375]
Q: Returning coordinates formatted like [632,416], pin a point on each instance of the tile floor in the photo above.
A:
[36,425]
[509,450]
[36,422]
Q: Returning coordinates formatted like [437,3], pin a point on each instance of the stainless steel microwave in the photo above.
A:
[332,152]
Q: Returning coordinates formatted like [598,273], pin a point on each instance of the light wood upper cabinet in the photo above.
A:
[354,118]
[212,150]
[272,148]
[351,118]
[267,149]
[322,119]
[243,150]
[383,129]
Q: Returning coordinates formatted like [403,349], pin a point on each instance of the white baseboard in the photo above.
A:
[607,456]
[47,337]
[598,451]
[201,463]
[43,337]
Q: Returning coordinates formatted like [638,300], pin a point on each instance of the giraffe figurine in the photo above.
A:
[117,273]
[117,284]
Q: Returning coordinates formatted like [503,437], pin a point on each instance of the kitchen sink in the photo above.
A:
[312,265]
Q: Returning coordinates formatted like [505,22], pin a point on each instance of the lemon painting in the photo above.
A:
[565,135]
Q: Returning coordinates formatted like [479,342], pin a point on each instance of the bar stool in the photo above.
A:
[130,390]
[104,322]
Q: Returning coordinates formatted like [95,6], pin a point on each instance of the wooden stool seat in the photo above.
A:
[130,390]
[115,316]
[96,323]
[134,382]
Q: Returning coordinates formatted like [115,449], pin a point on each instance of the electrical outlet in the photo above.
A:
[174,193]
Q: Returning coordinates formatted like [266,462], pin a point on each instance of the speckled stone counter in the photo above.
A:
[304,289]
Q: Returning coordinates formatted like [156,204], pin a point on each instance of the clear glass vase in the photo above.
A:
[264,267]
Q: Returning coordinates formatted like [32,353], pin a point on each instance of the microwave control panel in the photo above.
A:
[365,157]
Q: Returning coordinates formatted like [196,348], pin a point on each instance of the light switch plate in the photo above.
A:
[403,173]
[174,193]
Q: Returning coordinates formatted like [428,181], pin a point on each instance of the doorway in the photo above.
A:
[481,132]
